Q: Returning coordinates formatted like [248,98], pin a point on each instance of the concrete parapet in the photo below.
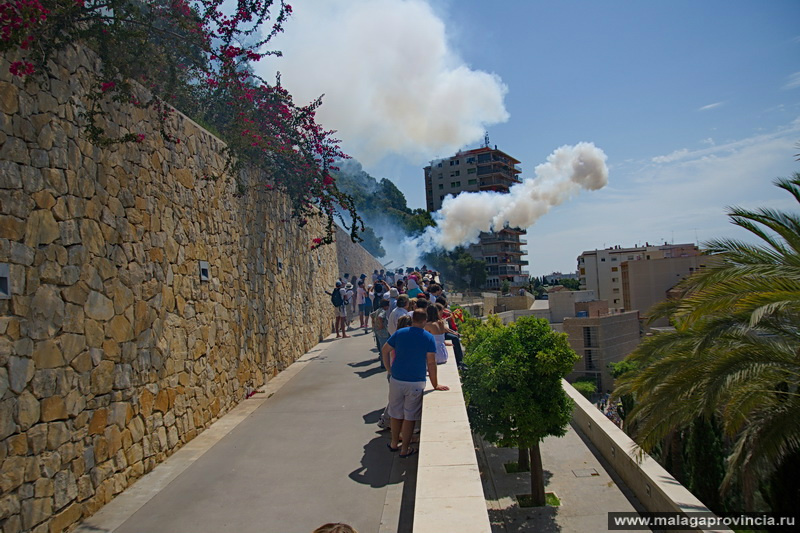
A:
[655,488]
[449,494]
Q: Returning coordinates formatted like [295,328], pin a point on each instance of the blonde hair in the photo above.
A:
[337,527]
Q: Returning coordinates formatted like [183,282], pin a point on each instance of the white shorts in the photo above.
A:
[405,399]
[342,311]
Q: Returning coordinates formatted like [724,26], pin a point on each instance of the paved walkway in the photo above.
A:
[304,453]
[577,475]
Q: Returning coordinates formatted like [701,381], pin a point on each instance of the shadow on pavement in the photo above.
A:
[373,416]
[364,374]
[539,519]
[376,465]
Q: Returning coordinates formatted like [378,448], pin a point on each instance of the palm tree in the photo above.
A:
[735,351]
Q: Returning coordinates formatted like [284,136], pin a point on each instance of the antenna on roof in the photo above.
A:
[486,140]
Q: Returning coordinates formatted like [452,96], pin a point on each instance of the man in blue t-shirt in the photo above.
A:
[415,352]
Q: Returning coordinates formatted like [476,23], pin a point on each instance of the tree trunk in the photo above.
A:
[523,462]
[537,476]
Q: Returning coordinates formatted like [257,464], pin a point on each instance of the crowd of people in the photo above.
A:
[413,324]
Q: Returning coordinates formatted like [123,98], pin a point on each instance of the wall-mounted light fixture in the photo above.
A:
[5,282]
[205,273]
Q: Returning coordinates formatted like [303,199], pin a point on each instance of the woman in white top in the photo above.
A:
[436,327]
[361,296]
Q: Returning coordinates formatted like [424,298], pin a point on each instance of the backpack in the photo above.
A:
[336,298]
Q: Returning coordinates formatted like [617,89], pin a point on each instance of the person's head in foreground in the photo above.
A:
[335,528]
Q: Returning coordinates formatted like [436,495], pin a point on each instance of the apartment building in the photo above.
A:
[482,169]
[601,270]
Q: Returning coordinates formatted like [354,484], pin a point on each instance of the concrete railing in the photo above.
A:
[449,494]
[655,488]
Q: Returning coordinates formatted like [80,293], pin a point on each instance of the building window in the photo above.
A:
[472,182]
[455,184]
[614,269]
[589,359]
[441,186]
[614,280]
[602,259]
[613,258]
[441,175]
[458,172]
[589,337]
[470,171]
[439,165]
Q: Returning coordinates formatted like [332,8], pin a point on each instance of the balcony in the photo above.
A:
[496,238]
[495,182]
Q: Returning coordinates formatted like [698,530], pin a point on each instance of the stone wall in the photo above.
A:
[113,351]
[353,259]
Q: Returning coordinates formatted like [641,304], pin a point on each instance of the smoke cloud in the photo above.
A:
[392,82]
[461,218]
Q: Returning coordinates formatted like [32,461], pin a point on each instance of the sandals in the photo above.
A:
[389,445]
[411,452]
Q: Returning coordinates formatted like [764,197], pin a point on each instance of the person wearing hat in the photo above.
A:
[393,294]
[361,298]
[350,303]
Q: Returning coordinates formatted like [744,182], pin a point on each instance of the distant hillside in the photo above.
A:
[379,203]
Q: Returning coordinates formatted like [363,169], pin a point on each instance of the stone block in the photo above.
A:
[136,427]
[13,473]
[35,511]
[65,488]
[17,444]
[20,372]
[7,426]
[120,329]
[63,520]
[72,345]
[120,413]
[41,228]
[57,434]
[98,306]
[146,401]
[102,378]
[9,505]
[37,438]
[28,410]
[11,227]
[114,440]
[44,383]
[161,403]
[82,362]
[98,422]
[47,354]
[53,408]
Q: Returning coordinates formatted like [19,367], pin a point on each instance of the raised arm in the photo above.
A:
[431,356]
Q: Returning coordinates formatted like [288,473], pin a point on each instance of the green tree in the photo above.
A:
[505,287]
[571,284]
[733,354]
[586,386]
[371,242]
[512,383]
[458,267]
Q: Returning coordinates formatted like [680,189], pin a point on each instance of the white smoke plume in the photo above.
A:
[392,82]
[461,218]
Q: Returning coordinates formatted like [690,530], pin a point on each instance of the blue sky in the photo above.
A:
[695,104]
